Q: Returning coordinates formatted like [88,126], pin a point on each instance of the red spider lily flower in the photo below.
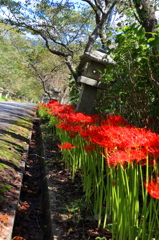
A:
[67,126]
[96,119]
[151,162]
[67,146]
[72,134]
[153,147]
[42,105]
[81,117]
[59,110]
[153,188]
[113,120]
[117,157]
[90,148]
[154,152]
[87,131]
[53,102]
[111,137]
[121,157]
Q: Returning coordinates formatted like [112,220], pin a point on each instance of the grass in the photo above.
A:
[12,145]
[3,98]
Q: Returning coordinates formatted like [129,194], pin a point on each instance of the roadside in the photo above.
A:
[15,134]
[29,223]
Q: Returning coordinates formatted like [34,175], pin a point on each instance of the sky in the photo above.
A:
[77,3]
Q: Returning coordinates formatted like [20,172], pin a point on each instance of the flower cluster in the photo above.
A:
[120,142]
[67,146]
[153,188]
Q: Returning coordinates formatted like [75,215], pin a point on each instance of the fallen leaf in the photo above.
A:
[4,218]
[19,238]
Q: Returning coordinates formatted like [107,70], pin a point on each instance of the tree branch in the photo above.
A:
[41,79]
[99,6]
[93,37]
[69,65]
[95,9]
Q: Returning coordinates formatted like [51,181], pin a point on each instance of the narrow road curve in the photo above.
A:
[12,111]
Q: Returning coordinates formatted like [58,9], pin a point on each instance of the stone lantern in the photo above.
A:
[91,80]
[1,92]
[55,93]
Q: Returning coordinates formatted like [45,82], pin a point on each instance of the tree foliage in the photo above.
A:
[14,77]
[64,29]
[27,67]
[134,91]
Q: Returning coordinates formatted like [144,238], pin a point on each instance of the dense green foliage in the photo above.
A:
[15,77]
[27,67]
[132,86]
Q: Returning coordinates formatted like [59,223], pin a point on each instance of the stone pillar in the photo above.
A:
[92,80]
[87,97]
[1,91]
[54,93]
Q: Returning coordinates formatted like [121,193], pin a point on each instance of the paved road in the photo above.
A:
[11,111]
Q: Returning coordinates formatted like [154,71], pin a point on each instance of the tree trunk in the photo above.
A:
[147,18]
[146,14]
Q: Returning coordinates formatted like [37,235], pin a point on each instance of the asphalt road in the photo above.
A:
[12,111]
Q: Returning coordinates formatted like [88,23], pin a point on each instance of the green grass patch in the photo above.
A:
[3,98]
[4,188]
[12,145]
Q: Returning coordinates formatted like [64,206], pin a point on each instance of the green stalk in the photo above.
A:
[134,185]
[143,218]
[101,189]
[108,195]
[114,203]
[151,219]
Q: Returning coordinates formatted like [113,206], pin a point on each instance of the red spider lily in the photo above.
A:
[53,102]
[123,137]
[66,113]
[153,148]
[96,119]
[151,162]
[113,120]
[90,148]
[153,188]
[81,117]
[118,156]
[98,135]
[111,137]
[42,105]
[87,131]
[59,110]
[72,134]
[67,126]
[123,142]
[67,146]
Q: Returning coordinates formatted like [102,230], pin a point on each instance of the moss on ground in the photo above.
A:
[12,145]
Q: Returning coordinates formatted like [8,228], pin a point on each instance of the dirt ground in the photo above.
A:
[73,216]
